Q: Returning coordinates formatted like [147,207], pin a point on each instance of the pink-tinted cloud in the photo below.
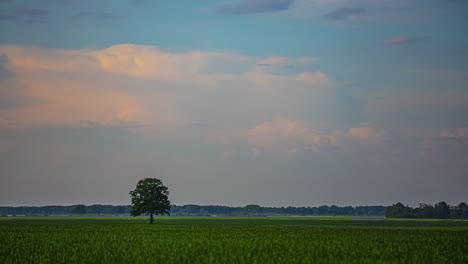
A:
[148,85]
[401,40]
[366,135]
[283,136]
[457,133]
[279,132]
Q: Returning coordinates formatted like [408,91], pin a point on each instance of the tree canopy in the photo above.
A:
[150,197]
[78,209]
[440,210]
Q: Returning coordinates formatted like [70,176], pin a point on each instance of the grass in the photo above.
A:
[249,221]
[232,240]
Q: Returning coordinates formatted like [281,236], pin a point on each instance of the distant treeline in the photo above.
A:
[440,210]
[79,209]
[254,209]
[198,210]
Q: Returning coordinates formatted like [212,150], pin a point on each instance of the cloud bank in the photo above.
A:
[114,85]
[345,13]
[401,40]
[208,123]
[254,6]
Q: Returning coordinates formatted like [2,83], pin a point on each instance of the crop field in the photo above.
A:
[232,240]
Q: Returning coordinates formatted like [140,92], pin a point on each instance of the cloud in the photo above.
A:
[284,65]
[102,15]
[151,86]
[54,87]
[364,135]
[65,2]
[345,13]
[457,133]
[82,14]
[107,16]
[280,131]
[286,136]
[254,6]
[400,40]
[395,11]
[455,1]
[418,114]
[348,140]
[31,12]
[6,17]
[445,73]
[139,2]
[449,149]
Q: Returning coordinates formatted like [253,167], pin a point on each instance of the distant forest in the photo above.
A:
[198,210]
[440,210]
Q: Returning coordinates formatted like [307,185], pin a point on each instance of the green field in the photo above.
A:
[232,240]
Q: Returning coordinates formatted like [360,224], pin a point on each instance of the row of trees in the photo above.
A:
[151,197]
[79,209]
[440,210]
[191,209]
[254,209]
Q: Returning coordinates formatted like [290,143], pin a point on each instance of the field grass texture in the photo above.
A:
[232,240]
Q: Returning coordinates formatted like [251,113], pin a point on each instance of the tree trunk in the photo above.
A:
[151,219]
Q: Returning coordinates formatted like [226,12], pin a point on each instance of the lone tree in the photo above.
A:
[150,197]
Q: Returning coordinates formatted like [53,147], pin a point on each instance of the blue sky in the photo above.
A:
[279,102]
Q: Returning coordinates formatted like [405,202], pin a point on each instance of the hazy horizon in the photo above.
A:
[277,206]
[276,103]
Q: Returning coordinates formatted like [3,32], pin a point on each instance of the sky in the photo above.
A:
[269,102]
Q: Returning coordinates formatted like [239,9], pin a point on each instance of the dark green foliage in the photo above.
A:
[399,211]
[424,211]
[191,209]
[323,210]
[439,211]
[252,209]
[95,209]
[463,210]
[150,197]
[78,209]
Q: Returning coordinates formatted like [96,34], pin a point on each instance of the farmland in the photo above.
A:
[232,240]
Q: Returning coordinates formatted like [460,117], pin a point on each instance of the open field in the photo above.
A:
[232,240]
